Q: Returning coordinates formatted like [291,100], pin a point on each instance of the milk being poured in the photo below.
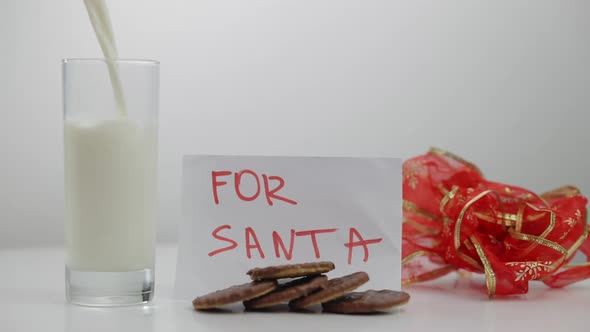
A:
[110,178]
[101,22]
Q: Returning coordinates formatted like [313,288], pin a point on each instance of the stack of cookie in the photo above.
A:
[310,288]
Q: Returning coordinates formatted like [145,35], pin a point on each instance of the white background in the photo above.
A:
[503,83]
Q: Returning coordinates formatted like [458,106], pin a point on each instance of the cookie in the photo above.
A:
[289,291]
[233,294]
[336,288]
[366,302]
[290,271]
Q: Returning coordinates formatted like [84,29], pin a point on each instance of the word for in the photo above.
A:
[269,193]
[252,244]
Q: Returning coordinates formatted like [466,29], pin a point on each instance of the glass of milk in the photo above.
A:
[110,147]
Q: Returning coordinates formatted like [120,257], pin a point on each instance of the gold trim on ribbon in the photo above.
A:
[490,275]
[519,216]
[450,195]
[429,275]
[508,217]
[551,221]
[413,208]
[578,243]
[536,216]
[416,254]
[539,240]
[543,235]
[423,229]
[504,219]
[469,260]
[571,266]
[485,217]
[448,154]
[564,191]
[462,214]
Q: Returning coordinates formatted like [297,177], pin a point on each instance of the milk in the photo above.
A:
[110,179]
[101,22]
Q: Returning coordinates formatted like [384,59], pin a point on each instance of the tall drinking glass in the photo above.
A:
[110,147]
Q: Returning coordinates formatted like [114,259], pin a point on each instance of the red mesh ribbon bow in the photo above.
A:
[456,219]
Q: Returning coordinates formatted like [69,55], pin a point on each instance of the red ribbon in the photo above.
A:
[456,219]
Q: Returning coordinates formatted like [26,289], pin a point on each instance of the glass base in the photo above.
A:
[105,289]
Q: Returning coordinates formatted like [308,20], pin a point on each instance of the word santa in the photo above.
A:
[226,235]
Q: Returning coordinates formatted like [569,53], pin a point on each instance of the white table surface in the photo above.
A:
[32,299]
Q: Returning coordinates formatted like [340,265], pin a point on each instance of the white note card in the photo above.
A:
[242,212]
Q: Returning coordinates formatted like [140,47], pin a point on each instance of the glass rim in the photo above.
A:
[118,60]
